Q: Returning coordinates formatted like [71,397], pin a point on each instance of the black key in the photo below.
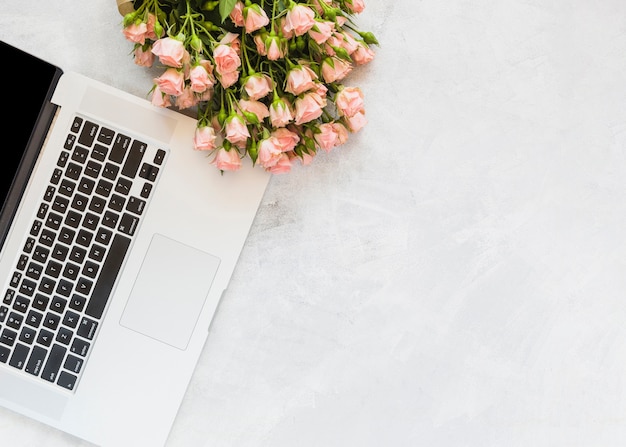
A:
[99,152]
[4,311]
[28,245]
[84,238]
[80,347]
[55,359]
[67,187]
[80,202]
[104,236]
[73,363]
[91,221]
[41,254]
[49,194]
[87,328]
[71,271]
[70,319]
[120,146]
[93,169]
[77,302]
[60,204]
[28,287]
[66,235]
[64,336]
[148,172]
[76,124]
[128,224]
[64,288]
[47,285]
[20,354]
[106,136]
[15,279]
[35,362]
[110,219]
[110,171]
[78,254]
[63,157]
[123,186]
[69,141]
[47,237]
[159,157]
[34,270]
[67,380]
[21,303]
[80,154]
[97,252]
[34,318]
[58,304]
[137,149]
[21,263]
[56,176]
[116,202]
[45,337]
[27,335]
[146,190]
[8,337]
[59,252]
[15,320]
[90,269]
[36,228]
[8,297]
[51,321]
[40,302]
[73,219]
[104,188]
[43,210]
[135,205]
[84,286]
[106,280]
[88,133]
[54,221]
[4,354]
[53,269]
[73,171]
[86,185]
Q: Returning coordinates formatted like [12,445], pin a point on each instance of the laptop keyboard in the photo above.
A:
[56,297]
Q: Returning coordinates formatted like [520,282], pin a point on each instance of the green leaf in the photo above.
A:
[226,7]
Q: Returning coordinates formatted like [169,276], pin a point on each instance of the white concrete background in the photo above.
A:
[454,276]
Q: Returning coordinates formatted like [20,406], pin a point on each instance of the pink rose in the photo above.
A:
[143,58]
[254,18]
[275,49]
[362,55]
[236,130]
[300,79]
[136,32]
[204,138]
[327,138]
[258,86]
[335,69]
[299,19]
[186,99]
[321,31]
[309,107]
[159,98]
[171,52]
[280,113]
[259,42]
[227,160]
[171,82]
[200,79]
[236,15]
[232,40]
[226,59]
[306,159]
[356,121]
[151,32]
[355,6]
[282,166]
[286,139]
[342,133]
[349,101]
[228,79]
[255,107]
[269,152]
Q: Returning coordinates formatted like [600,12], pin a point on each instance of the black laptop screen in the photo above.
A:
[28,83]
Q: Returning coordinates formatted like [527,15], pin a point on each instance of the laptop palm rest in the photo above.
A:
[169,292]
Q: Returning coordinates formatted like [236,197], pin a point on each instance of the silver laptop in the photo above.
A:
[118,240]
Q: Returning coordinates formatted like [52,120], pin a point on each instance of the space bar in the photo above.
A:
[108,275]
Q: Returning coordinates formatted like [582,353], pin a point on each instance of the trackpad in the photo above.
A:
[169,291]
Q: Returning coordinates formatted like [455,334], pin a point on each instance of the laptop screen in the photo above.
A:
[29,83]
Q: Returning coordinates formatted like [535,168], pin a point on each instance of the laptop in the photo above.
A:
[117,242]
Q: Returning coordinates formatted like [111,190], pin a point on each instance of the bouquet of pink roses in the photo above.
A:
[265,76]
